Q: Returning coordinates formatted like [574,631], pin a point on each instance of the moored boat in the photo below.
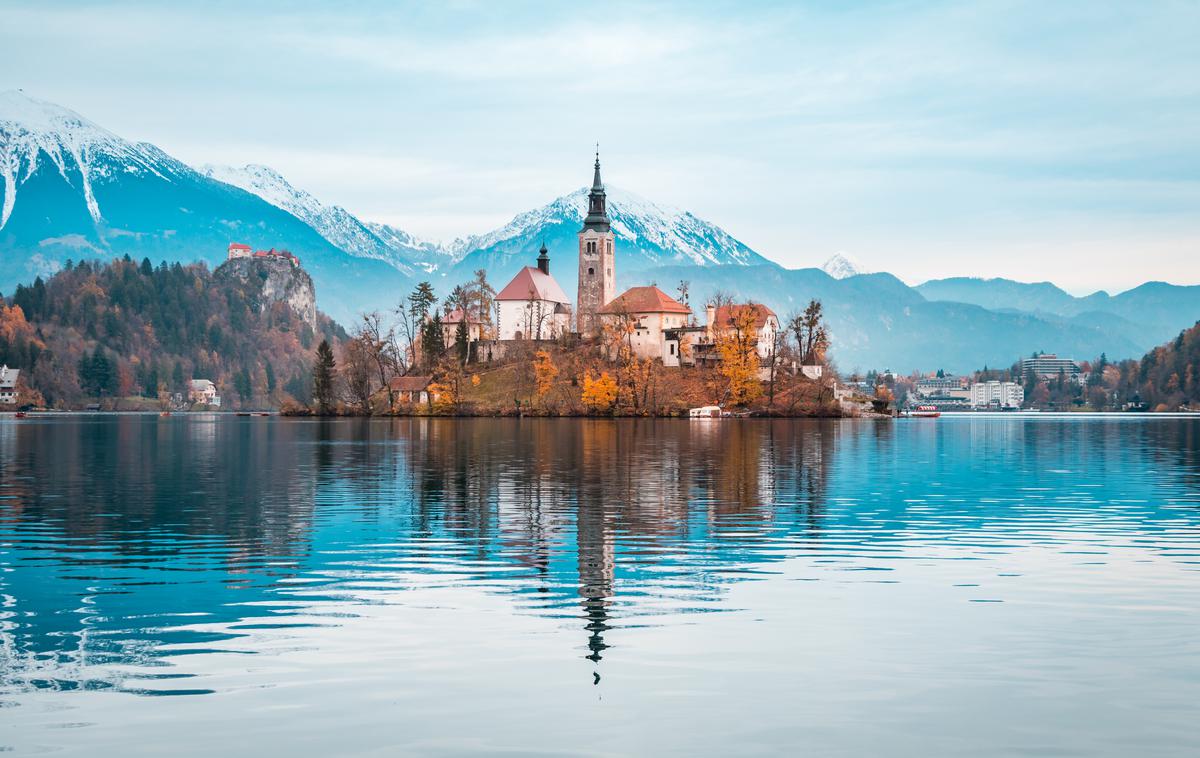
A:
[924,411]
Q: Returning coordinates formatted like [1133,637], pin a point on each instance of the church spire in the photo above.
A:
[597,215]
[544,259]
[596,183]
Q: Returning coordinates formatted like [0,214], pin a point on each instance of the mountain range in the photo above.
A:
[70,189]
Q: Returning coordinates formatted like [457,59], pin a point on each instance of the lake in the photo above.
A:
[201,585]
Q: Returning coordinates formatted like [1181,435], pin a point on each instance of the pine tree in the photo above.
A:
[462,344]
[323,371]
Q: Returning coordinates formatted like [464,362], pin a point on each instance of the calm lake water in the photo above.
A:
[252,586]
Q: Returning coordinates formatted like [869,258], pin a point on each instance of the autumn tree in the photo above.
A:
[544,372]
[599,392]
[736,343]
[323,376]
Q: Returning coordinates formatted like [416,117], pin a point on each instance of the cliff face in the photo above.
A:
[272,280]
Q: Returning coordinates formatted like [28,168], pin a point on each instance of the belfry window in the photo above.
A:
[591,271]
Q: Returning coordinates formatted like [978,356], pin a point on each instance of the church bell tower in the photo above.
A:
[597,263]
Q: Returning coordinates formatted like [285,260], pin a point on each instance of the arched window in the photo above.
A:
[591,271]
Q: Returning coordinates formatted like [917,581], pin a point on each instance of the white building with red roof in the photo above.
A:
[450,324]
[238,250]
[646,315]
[766,323]
[533,305]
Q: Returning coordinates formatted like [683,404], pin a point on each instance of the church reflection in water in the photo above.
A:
[585,510]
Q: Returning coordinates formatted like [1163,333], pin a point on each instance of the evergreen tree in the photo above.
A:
[270,377]
[323,371]
[147,268]
[150,383]
[462,344]
[432,346]
[243,385]
[420,301]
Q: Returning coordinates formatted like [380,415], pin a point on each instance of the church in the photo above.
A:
[597,261]
[534,306]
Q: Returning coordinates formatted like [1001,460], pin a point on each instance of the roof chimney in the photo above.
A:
[544,260]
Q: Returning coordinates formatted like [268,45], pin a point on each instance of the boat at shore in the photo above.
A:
[923,411]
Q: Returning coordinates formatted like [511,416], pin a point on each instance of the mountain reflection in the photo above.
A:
[121,532]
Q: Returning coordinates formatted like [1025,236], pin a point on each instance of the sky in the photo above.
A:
[1030,140]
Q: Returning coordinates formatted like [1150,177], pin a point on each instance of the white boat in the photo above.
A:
[924,411]
[705,411]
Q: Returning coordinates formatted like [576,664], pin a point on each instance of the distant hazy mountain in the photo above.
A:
[71,189]
[1155,310]
[841,266]
[877,321]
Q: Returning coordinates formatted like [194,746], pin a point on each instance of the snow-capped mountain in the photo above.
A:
[842,266]
[394,246]
[648,235]
[660,234]
[35,133]
[70,189]
[428,256]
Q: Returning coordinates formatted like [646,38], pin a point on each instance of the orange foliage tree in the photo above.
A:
[599,392]
[737,343]
[544,373]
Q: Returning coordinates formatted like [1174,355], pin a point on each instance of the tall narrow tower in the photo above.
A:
[597,263]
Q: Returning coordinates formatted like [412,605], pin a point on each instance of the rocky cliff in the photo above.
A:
[272,280]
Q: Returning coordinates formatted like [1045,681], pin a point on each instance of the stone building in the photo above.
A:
[597,261]
[649,314]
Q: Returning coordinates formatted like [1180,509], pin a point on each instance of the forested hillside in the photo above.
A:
[1168,377]
[119,330]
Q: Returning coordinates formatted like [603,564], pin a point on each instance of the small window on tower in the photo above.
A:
[591,272]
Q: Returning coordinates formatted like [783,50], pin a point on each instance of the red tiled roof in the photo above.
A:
[644,300]
[725,314]
[456,315]
[238,246]
[531,281]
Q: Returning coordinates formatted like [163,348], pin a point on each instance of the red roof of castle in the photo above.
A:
[238,246]
[531,282]
[645,300]
[724,314]
[456,315]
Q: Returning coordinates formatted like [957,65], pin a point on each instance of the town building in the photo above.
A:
[649,313]
[1049,366]
[8,385]
[203,392]
[947,392]
[597,261]
[532,305]
[450,324]
[941,385]
[238,250]
[996,394]
[412,389]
